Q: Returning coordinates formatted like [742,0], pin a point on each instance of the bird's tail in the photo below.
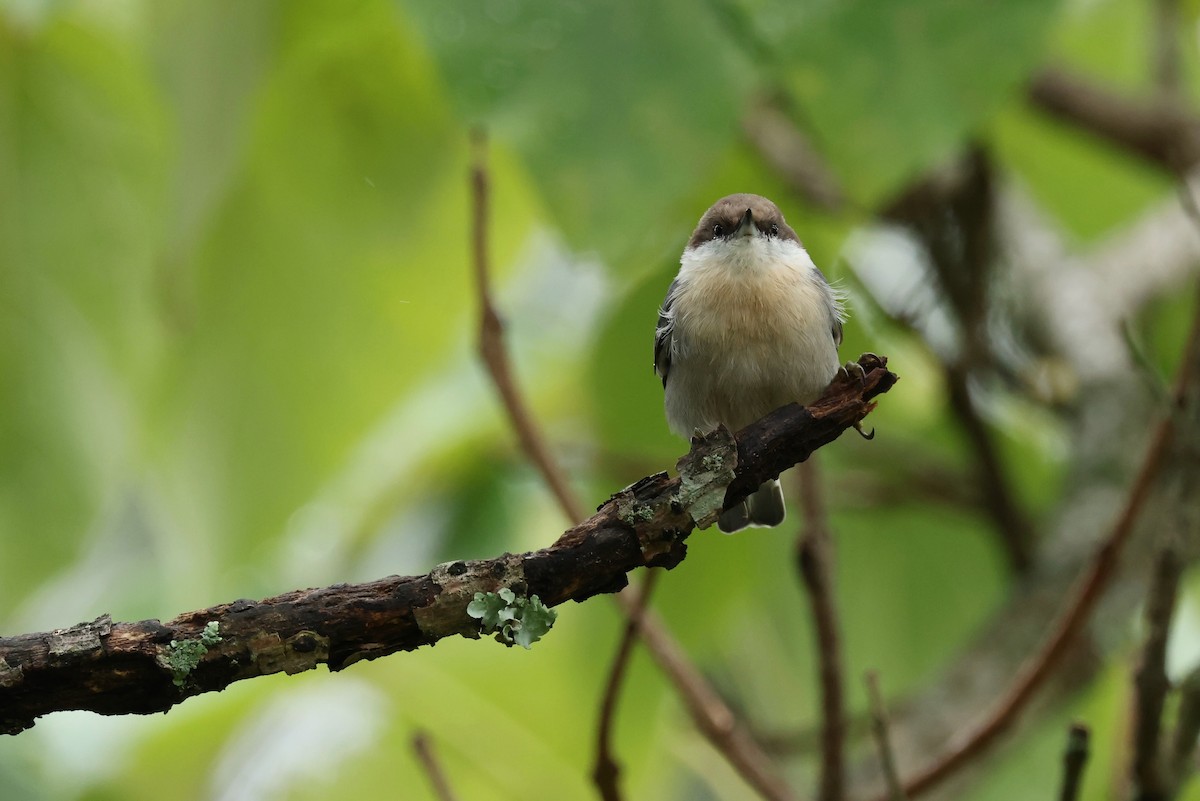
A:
[763,508]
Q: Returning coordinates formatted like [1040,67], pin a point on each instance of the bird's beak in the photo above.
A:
[746,227]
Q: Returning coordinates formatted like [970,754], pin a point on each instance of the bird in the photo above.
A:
[749,324]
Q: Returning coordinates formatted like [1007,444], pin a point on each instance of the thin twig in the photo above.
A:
[606,773]
[997,495]
[495,355]
[423,747]
[883,743]
[1081,603]
[1074,759]
[1150,681]
[711,714]
[814,559]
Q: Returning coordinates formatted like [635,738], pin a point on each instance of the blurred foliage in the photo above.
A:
[236,354]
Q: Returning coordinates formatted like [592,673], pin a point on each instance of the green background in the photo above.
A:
[237,357]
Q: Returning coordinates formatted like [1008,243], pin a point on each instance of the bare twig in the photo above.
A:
[996,492]
[606,773]
[1150,681]
[1074,759]
[879,728]
[495,355]
[711,714]
[1081,603]
[423,747]
[814,559]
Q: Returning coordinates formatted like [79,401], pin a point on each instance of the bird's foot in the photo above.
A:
[854,370]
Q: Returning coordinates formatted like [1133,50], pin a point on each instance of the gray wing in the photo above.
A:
[662,334]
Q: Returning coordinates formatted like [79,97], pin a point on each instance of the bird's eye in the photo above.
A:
[774,229]
[718,230]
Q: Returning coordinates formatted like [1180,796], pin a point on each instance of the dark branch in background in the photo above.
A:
[1162,762]
[952,214]
[1160,132]
[883,744]
[1150,681]
[134,668]
[1086,593]
[814,560]
[606,773]
[1074,759]
[423,748]
[997,495]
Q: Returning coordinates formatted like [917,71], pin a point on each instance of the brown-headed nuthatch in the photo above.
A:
[748,325]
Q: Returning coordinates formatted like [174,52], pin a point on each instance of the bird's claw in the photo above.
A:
[865,435]
[855,369]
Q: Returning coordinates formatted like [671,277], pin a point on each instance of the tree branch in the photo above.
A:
[1074,759]
[883,744]
[713,717]
[423,748]
[494,353]
[814,557]
[607,771]
[1158,131]
[952,213]
[1150,680]
[140,668]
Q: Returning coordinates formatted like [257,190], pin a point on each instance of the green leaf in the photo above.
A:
[612,105]
[891,87]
